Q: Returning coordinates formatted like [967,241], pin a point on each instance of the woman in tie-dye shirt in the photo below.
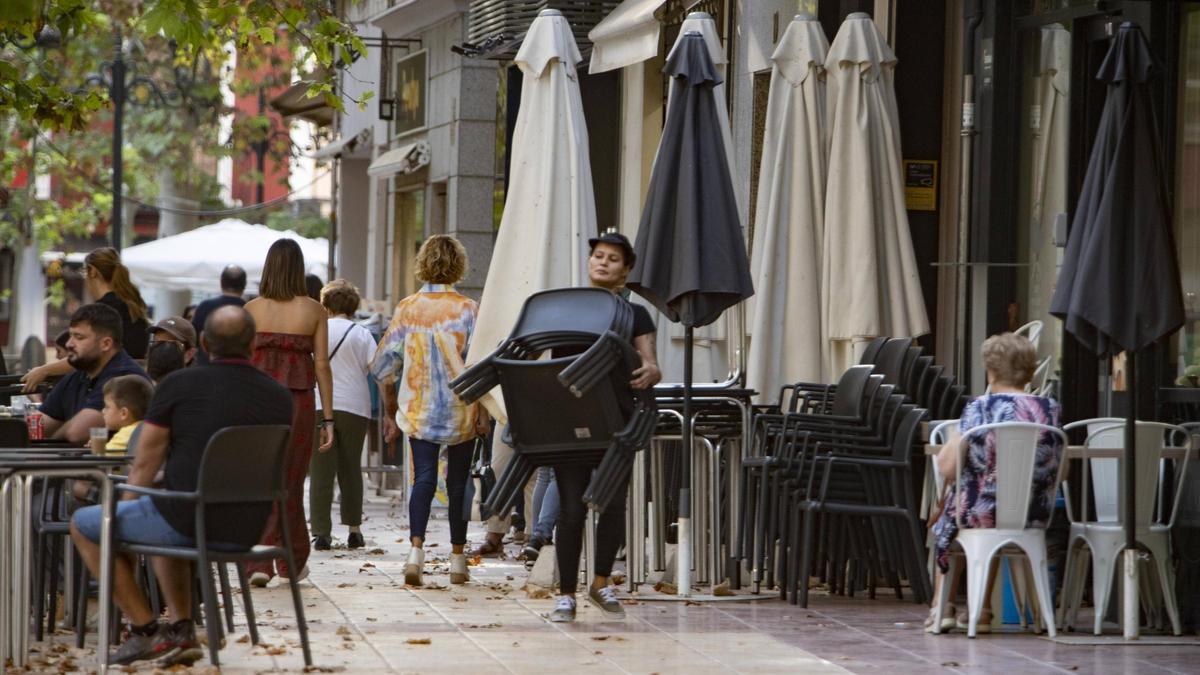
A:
[420,354]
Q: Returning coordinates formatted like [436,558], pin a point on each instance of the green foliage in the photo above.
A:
[48,50]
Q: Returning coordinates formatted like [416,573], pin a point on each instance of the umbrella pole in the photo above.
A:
[1131,606]
[683,558]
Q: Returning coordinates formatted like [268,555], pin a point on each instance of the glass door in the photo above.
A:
[1186,348]
[1045,136]
[408,231]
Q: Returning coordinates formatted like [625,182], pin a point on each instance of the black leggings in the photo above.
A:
[568,536]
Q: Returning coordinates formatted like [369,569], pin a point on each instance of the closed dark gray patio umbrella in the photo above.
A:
[691,256]
[1119,289]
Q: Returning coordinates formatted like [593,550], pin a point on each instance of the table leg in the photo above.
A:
[106,569]
[5,572]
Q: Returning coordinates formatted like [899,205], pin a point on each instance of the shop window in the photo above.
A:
[1186,346]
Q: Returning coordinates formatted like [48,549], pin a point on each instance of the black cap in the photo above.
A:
[616,239]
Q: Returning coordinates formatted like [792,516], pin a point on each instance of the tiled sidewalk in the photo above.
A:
[362,619]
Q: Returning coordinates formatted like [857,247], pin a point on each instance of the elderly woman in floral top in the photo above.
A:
[420,354]
[1010,361]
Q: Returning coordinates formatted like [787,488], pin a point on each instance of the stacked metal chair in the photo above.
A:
[844,458]
[576,406]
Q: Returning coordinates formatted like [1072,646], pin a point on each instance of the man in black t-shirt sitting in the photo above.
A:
[94,351]
[188,408]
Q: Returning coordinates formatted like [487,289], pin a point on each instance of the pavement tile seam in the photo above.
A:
[568,634]
[449,621]
[347,621]
[875,638]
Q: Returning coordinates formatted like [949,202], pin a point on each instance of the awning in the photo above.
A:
[409,17]
[342,146]
[295,102]
[628,35]
[405,159]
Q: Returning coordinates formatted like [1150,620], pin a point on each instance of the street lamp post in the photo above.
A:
[119,81]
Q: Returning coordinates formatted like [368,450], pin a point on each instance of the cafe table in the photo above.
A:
[19,468]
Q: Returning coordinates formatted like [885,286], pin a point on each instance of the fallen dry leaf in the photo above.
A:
[666,588]
[418,641]
[342,630]
[722,590]
[377,551]
[537,592]
[243,640]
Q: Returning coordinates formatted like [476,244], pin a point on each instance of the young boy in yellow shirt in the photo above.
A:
[126,400]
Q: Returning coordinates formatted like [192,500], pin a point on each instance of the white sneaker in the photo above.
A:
[414,566]
[458,568]
[564,610]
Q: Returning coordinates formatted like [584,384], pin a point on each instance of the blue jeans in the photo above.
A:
[545,504]
[425,465]
[137,522]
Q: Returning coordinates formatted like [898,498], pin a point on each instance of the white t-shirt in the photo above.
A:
[350,366]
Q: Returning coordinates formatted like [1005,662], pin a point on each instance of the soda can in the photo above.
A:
[37,429]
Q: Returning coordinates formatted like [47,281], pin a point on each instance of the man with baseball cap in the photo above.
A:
[177,330]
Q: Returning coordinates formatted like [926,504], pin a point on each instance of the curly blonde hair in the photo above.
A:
[442,259]
[1011,358]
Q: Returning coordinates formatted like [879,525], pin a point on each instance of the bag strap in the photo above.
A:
[339,344]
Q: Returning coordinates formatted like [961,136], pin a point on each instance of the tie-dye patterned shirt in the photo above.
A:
[422,351]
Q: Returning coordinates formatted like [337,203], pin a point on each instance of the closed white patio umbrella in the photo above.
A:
[870,282]
[786,342]
[550,210]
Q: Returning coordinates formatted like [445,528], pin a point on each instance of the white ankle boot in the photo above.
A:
[414,566]
[458,568]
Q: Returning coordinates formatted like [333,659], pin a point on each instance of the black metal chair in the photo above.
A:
[241,465]
[872,351]
[13,433]
[868,486]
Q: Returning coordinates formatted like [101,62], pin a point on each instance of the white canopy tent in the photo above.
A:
[550,211]
[193,260]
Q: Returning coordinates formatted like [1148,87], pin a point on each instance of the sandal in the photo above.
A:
[983,627]
[948,620]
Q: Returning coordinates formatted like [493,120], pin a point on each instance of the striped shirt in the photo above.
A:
[422,351]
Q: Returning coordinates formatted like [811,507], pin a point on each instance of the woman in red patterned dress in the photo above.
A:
[292,347]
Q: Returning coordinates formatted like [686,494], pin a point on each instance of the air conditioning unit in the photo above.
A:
[495,28]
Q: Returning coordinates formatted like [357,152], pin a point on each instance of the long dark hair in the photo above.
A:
[283,272]
[107,262]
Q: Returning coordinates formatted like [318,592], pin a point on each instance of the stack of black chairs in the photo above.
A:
[576,406]
[830,487]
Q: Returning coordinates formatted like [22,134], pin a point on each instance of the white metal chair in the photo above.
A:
[1041,374]
[1033,331]
[934,481]
[1015,446]
[1104,536]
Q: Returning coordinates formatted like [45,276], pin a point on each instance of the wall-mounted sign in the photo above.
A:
[410,79]
[920,184]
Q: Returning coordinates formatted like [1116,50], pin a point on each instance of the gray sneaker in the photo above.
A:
[564,609]
[605,598]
